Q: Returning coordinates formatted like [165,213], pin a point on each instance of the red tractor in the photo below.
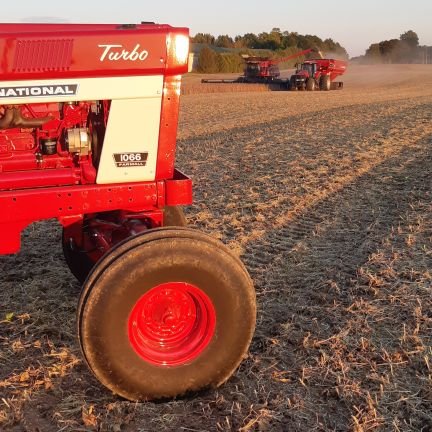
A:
[318,74]
[88,123]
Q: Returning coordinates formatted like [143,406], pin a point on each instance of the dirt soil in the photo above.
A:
[327,199]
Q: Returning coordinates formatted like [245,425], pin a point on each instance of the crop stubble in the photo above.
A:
[327,198]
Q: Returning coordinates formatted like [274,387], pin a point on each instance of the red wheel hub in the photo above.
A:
[172,324]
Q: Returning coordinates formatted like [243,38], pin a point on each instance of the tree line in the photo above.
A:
[406,49]
[275,44]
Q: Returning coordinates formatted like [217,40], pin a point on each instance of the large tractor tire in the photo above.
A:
[80,262]
[164,313]
[336,85]
[325,83]
[310,84]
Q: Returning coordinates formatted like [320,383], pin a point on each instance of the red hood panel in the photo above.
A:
[43,51]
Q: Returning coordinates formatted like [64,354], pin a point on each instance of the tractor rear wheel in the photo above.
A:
[325,83]
[310,84]
[78,261]
[174,216]
[166,312]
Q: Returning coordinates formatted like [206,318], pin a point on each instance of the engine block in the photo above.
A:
[64,138]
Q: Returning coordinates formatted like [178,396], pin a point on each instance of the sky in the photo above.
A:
[355,25]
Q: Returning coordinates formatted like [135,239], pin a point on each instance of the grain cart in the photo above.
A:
[88,122]
[318,74]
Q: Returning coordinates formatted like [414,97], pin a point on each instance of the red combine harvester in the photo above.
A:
[261,70]
[318,74]
[88,123]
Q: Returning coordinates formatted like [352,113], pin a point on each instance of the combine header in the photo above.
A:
[88,122]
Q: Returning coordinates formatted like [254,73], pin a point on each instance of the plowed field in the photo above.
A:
[327,198]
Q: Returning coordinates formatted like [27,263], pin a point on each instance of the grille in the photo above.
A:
[47,55]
